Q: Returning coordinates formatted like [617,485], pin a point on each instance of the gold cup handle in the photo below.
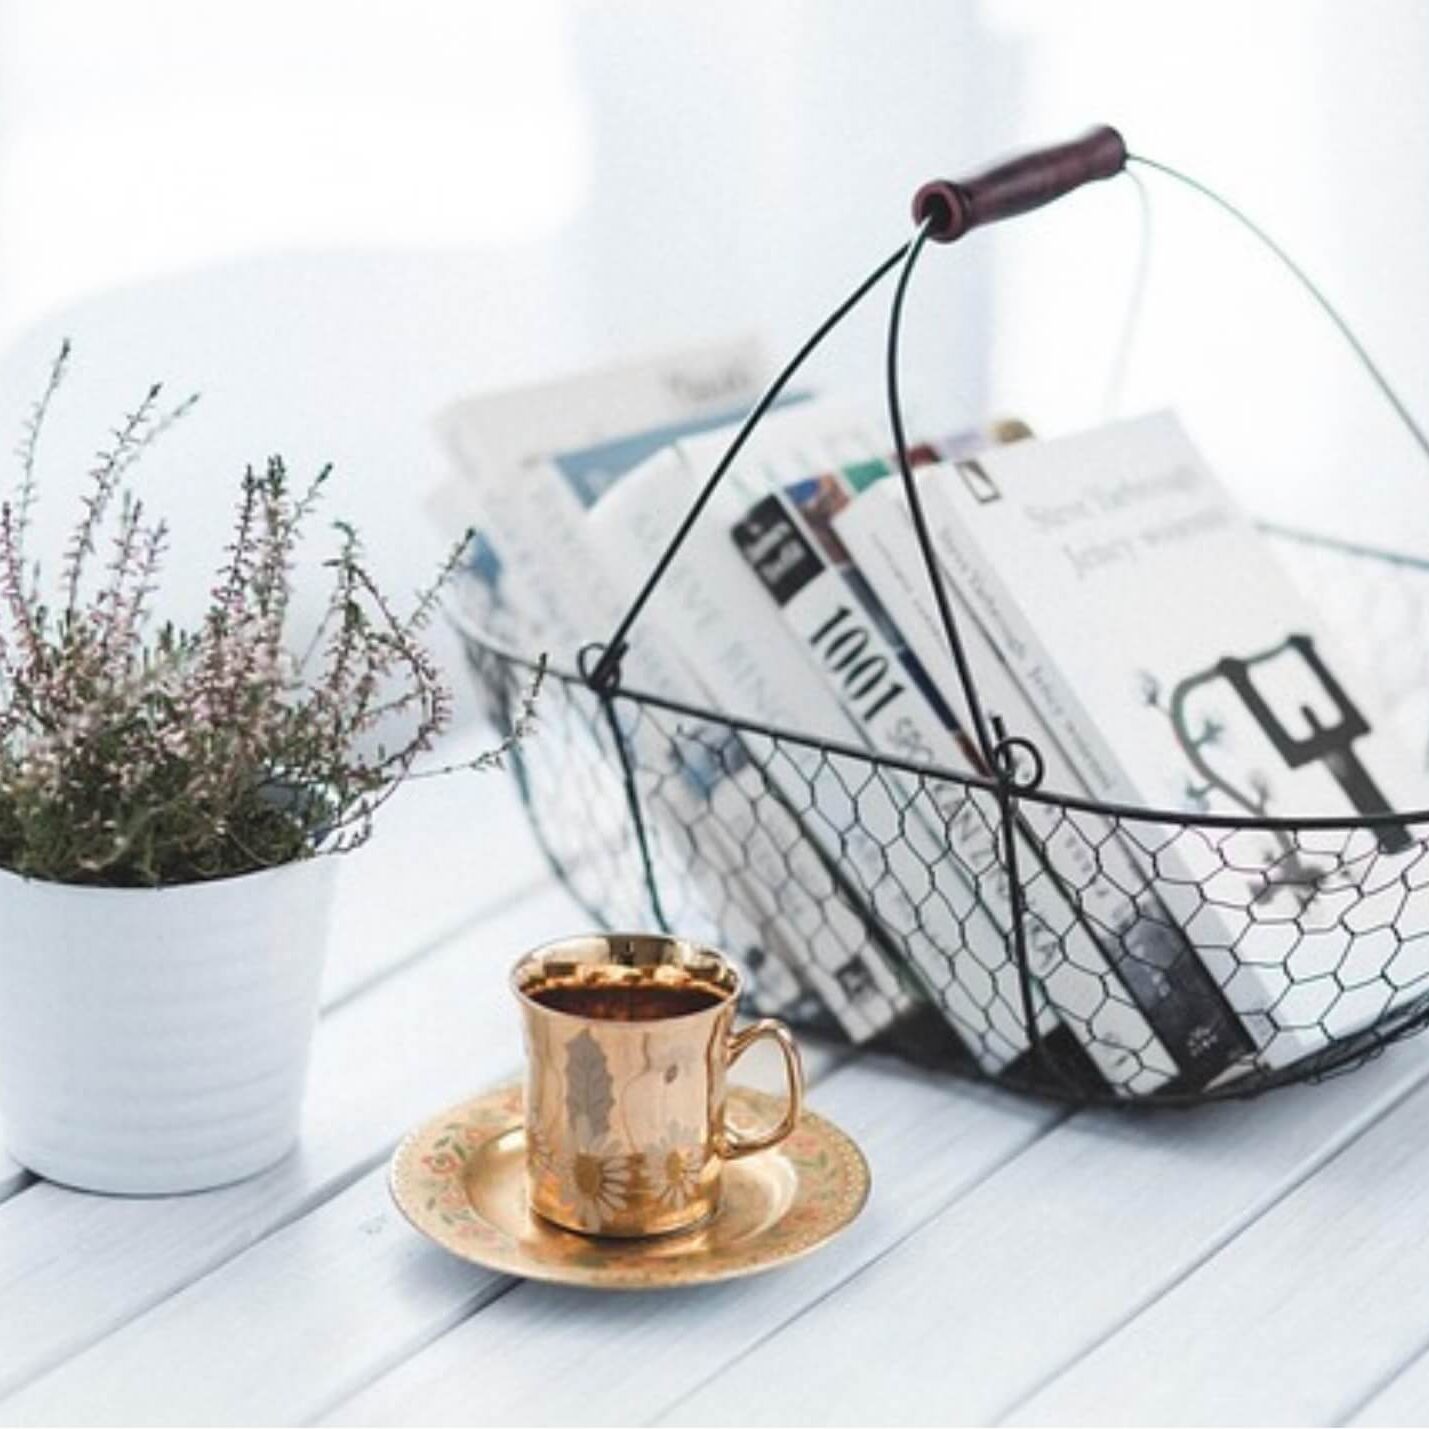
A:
[731,1144]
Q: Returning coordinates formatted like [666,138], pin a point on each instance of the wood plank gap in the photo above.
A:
[500,1287]
[1333,1148]
[38,1368]
[837,1058]
[1355,1411]
[458,928]
[927,1138]
[1064,1115]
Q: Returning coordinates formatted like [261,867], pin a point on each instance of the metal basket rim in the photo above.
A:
[1075,803]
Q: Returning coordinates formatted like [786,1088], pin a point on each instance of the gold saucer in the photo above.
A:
[461,1180]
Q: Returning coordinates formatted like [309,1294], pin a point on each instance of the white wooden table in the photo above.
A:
[1251,1263]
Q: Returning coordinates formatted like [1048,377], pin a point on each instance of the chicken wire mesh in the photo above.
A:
[1090,952]
[1167,957]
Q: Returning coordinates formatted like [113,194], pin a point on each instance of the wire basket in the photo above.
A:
[654,811]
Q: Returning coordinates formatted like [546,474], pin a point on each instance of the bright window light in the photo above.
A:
[142,137]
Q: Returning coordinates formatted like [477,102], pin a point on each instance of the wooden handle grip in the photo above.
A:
[1018,185]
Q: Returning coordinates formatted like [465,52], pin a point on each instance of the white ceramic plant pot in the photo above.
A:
[156,1041]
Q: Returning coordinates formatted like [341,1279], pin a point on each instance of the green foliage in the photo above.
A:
[136,755]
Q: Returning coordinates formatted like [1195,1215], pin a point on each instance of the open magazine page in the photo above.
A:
[532,510]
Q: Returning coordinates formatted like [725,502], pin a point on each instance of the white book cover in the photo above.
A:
[1152,965]
[892,831]
[1143,614]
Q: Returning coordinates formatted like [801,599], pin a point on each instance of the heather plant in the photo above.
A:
[135,752]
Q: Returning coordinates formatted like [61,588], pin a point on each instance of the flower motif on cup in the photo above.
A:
[596,1174]
[673,1166]
[541,1146]
[672,1058]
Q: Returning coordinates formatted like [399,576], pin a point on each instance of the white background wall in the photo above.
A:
[334,217]
[1314,116]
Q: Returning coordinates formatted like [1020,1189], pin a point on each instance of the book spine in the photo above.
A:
[943,860]
[1143,917]
[762,800]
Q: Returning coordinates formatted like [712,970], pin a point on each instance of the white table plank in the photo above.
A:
[276,1334]
[1296,1321]
[13,1176]
[1403,1399]
[304,1319]
[1019,1279]
[445,852]
[74,1267]
[547,1354]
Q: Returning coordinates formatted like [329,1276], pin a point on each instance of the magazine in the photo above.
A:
[532,578]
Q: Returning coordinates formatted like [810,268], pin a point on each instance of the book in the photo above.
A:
[876,822]
[1141,614]
[1142,965]
[777,808]
[790,536]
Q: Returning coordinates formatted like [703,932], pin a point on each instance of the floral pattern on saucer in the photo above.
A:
[824,1177]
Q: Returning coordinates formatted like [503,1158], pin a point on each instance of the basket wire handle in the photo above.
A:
[946,210]
[1312,289]
[605,673]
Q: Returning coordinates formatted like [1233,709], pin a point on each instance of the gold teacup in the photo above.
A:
[629,1037]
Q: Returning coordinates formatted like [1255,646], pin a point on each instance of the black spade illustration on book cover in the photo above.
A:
[1263,687]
